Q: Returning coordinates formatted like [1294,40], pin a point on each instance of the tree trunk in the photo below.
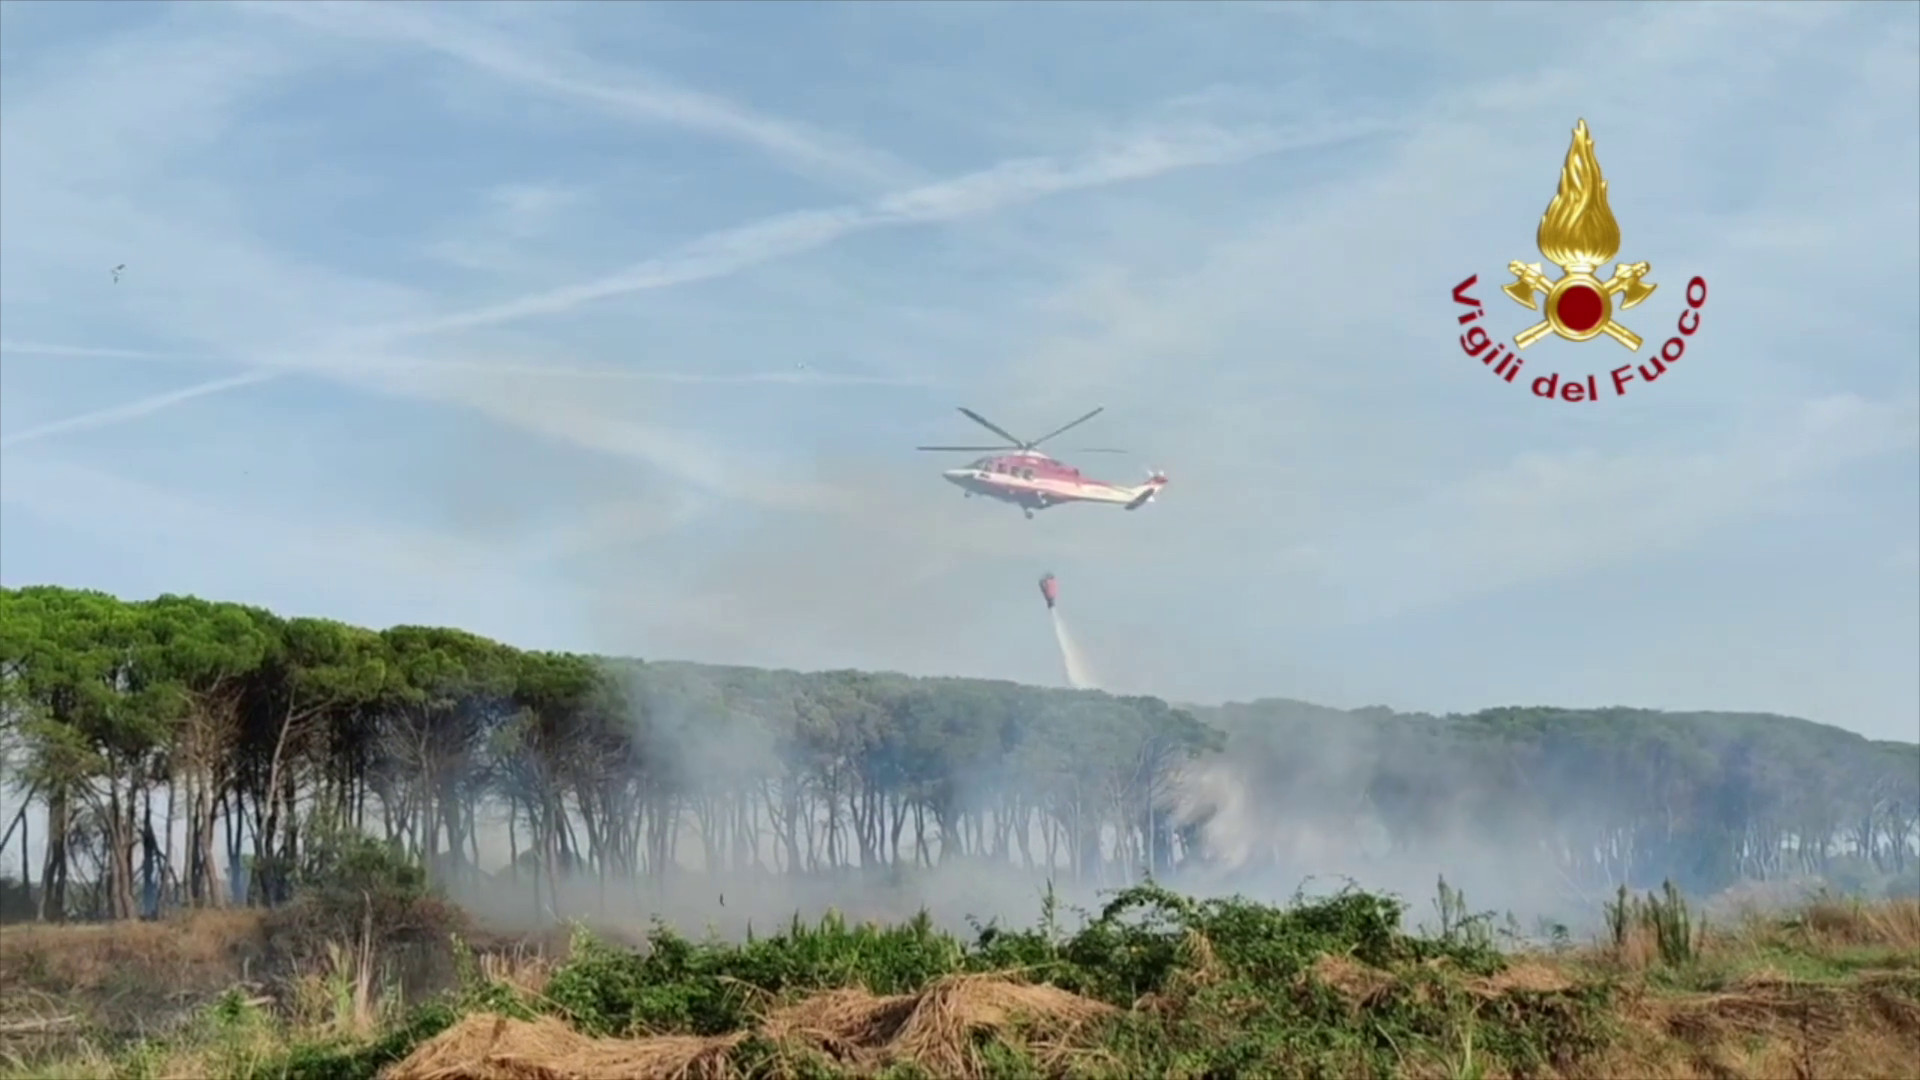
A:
[120,841]
[212,893]
[53,869]
[268,881]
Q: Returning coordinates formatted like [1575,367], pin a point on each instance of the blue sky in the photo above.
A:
[611,327]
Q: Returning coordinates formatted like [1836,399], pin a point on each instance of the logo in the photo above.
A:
[1578,235]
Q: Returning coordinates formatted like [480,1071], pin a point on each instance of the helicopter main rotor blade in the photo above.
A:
[1068,427]
[993,427]
[1099,450]
[988,449]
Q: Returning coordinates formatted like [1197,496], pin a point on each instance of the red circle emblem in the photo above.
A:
[1580,308]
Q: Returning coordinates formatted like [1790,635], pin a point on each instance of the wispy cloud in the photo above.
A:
[1011,183]
[362,357]
[525,208]
[501,391]
[145,406]
[799,375]
[505,233]
[732,250]
[39,348]
[628,93]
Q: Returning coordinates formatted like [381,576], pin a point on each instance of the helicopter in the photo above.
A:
[1020,474]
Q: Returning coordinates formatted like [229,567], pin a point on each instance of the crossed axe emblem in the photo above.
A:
[1625,280]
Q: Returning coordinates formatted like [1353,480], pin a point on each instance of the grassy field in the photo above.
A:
[1156,984]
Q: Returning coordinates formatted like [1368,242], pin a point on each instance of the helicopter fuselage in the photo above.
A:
[1035,482]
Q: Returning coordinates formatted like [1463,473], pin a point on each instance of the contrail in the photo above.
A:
[1009,183]
[800,376]
[732,250]
[156,403]
[796,377]
[117,413]
[36,348]
[628,94]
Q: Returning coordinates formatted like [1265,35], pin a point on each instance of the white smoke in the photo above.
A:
[1237,826]
[1265,834]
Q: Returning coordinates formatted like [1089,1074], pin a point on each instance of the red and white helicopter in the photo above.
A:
[1031,480]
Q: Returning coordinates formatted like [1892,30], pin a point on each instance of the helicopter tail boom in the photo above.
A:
[1144,494]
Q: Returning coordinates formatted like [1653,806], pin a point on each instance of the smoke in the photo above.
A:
[958,894]
[1258,838]
[1287,810]
[745,847]
[1305,798]
[1078,675]
[750,838]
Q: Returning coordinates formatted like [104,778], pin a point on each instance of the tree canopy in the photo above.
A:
[177,745]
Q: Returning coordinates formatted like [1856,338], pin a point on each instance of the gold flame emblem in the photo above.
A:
[1578,234]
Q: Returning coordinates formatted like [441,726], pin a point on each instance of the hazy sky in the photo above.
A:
[612,327]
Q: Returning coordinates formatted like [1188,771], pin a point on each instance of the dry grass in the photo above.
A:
[69,991]
[489,1047]
[1762,1024]
[1357,983]
[1766,1029]
[198,948]
[65,989]
[1893,924]
[1822,929]
[937,1029]
[1852,1011]
[524,970]
[1524,976]
[342,995]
